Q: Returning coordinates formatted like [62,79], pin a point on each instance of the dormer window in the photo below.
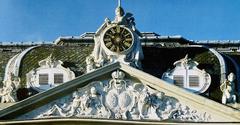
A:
[188,76]
[51,73]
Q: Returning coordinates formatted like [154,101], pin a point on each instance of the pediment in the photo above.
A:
[119,92]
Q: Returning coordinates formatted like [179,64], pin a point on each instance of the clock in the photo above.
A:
[118,39]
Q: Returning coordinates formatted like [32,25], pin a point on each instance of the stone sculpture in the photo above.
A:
[94,103]
[9,91]
[228,89]
[90,64]
[119,98]
[6,94]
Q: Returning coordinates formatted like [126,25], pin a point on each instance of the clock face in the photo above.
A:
[118,39]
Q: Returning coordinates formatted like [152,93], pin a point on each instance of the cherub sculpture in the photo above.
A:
[228,89]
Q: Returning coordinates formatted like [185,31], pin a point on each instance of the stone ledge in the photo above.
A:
[4,105]
[104,122]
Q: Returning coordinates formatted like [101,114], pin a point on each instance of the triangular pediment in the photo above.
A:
[120,92]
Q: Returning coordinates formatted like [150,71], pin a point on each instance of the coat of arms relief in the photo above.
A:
[118,98]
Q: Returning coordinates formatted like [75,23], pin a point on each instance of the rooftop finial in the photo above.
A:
[119,11]
[119,3]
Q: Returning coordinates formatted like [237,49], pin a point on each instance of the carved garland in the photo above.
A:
[120,99]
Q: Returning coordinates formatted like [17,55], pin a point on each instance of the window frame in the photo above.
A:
[193,83]
[182,79]
[42,81]
[55,79]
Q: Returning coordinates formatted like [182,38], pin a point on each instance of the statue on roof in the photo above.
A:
[228,89]
[125,19]
[119,15]
[8,93]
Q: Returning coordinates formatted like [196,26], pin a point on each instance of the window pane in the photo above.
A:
[58,78]
[43,79]
[193,81]
[178,80]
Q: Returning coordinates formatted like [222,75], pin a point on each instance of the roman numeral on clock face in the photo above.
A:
[129,39]
[127,44]
[107,39]
[108,44]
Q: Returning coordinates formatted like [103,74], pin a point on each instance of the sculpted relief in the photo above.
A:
[8,93]
[228,89]
[118,98]
[116,41]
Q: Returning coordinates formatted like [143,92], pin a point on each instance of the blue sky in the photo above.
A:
[35,20]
